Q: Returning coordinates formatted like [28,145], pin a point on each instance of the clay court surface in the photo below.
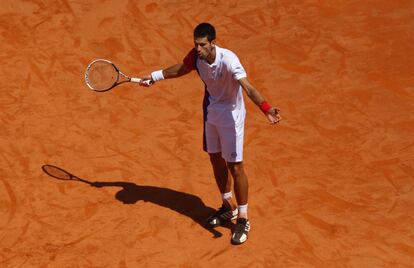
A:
[331,186]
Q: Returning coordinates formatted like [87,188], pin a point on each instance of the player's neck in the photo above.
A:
[212,56]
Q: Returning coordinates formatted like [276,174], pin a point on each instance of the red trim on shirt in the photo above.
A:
[190,60]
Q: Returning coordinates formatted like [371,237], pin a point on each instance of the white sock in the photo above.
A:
[242,209]
[226,196]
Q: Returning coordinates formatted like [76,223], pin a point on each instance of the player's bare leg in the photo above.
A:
[222,178]
[241,185]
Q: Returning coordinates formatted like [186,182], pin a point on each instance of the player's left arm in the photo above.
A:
[272,113]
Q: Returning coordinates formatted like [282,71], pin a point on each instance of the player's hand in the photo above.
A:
[146,81]
[273,115]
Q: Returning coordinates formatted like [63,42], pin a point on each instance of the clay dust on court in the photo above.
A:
[331,186]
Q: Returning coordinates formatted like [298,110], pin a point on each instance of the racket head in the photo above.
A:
[57,172]
[101,75]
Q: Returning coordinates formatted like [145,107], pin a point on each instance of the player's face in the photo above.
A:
[204,48]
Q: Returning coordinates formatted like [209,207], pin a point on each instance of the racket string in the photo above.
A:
[101,75]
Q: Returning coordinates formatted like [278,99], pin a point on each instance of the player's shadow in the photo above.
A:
[130,193]
[184,203]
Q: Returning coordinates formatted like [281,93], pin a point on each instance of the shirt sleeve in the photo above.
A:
[237,68]
[190,60]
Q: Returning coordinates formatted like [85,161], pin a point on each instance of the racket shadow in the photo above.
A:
[184,203]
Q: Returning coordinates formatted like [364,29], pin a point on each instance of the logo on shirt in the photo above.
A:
[233,155]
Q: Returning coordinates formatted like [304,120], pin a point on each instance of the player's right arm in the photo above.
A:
[173,71]
[176,70]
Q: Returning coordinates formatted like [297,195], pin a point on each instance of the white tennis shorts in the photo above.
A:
[228,140]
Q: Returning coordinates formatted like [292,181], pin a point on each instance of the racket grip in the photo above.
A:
[136,80]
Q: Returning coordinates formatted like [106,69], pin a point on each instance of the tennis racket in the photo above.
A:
[61,174]
[102,75]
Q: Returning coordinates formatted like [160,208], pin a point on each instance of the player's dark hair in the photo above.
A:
[205,30]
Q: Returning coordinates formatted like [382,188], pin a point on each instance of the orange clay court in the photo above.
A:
[331,186]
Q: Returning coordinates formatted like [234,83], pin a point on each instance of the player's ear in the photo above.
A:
[213,43]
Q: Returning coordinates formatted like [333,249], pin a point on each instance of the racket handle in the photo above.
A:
[136,80]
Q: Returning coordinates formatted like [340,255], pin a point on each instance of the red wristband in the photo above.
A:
[265,107]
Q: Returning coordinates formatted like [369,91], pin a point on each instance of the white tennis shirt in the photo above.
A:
[225,106]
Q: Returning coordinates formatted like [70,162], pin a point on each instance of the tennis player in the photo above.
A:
[224,116]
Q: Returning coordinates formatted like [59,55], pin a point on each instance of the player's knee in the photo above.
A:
[236,169]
